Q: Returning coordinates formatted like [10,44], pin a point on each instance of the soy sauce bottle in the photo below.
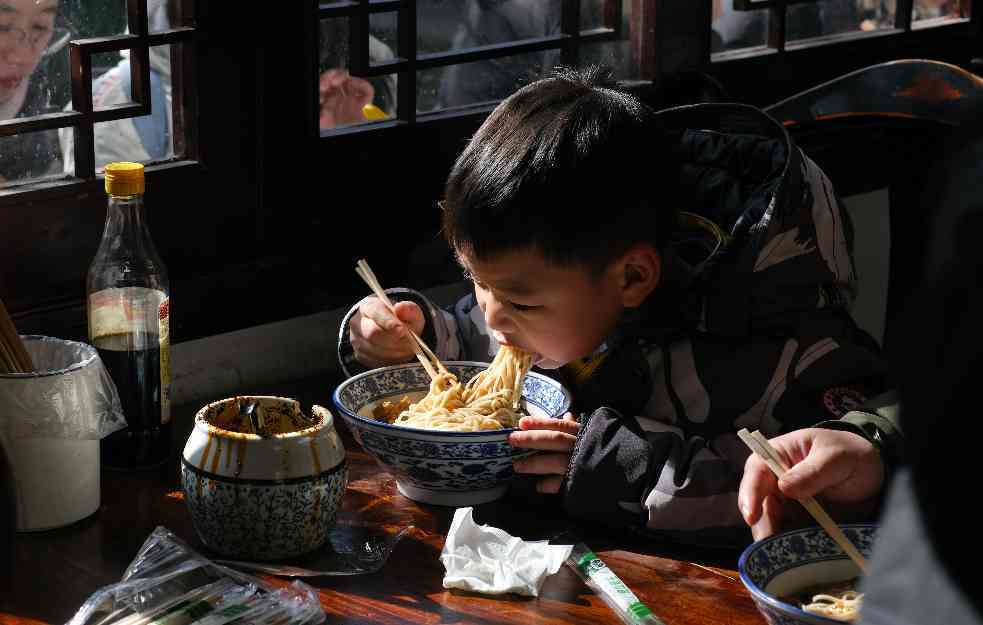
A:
[129,324]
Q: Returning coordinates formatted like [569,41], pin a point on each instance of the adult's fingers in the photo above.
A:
[771,518]
[820,470]
[757,483]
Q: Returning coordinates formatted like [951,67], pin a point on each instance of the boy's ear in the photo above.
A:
[639,273]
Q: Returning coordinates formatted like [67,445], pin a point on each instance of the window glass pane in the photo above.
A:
[835,17]
[102,62]
[444,25]
[481,81]
[613,54]
[344,98]
[437,23]
[735,30]
[162,14]
[383,29]
[933,9]
[876,14]
[483,23]
[95,18]
[591,14]
[29,156]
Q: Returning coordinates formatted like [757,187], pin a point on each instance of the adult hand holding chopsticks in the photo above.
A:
[841,468]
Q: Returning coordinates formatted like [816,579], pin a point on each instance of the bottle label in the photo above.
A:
[164,324]
[128,310]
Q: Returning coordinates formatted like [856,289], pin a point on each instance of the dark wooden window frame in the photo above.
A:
[408,61]
[82,118]
[666,36]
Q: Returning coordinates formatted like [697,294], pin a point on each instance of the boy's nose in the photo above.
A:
[497,316]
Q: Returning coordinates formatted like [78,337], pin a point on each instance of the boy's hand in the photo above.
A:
[842,468]
[545,434]
[378,338]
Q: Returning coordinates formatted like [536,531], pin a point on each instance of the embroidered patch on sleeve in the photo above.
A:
[840,400]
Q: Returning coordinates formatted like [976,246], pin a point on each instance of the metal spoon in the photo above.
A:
[250,412]
[367,555]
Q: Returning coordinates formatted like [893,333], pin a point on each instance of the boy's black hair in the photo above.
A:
[570,166]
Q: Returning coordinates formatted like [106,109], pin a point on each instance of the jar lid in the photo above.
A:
[124,178]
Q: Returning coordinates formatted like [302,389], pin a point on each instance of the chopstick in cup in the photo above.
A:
[760,446]
[18,360]
[365,272]
[8,362]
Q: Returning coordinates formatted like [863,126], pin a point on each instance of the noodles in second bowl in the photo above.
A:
[785,574]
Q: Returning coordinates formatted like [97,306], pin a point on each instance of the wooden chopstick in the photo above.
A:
[760,445]
[423,353]
[17,358]
[8,363]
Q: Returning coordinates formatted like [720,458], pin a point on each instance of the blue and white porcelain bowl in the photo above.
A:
[263,498]
[433,466]
[785,564]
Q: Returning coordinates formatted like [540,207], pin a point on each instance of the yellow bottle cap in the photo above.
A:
[124,178]
[373,113]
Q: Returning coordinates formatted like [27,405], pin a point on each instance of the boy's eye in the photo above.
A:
[523,306]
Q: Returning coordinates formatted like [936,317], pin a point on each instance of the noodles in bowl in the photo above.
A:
[447,467]
[840,601]
[488,401]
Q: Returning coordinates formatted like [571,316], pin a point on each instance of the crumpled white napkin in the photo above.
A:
[488,560]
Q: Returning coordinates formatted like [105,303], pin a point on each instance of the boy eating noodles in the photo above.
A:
[686,273]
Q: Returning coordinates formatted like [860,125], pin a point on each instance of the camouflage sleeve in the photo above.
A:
[642,474]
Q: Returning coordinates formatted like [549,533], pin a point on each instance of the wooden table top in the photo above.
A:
[56,570]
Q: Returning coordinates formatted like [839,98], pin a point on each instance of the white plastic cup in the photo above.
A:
[51,421]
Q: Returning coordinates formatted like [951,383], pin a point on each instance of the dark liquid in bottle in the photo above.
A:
[133,362]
